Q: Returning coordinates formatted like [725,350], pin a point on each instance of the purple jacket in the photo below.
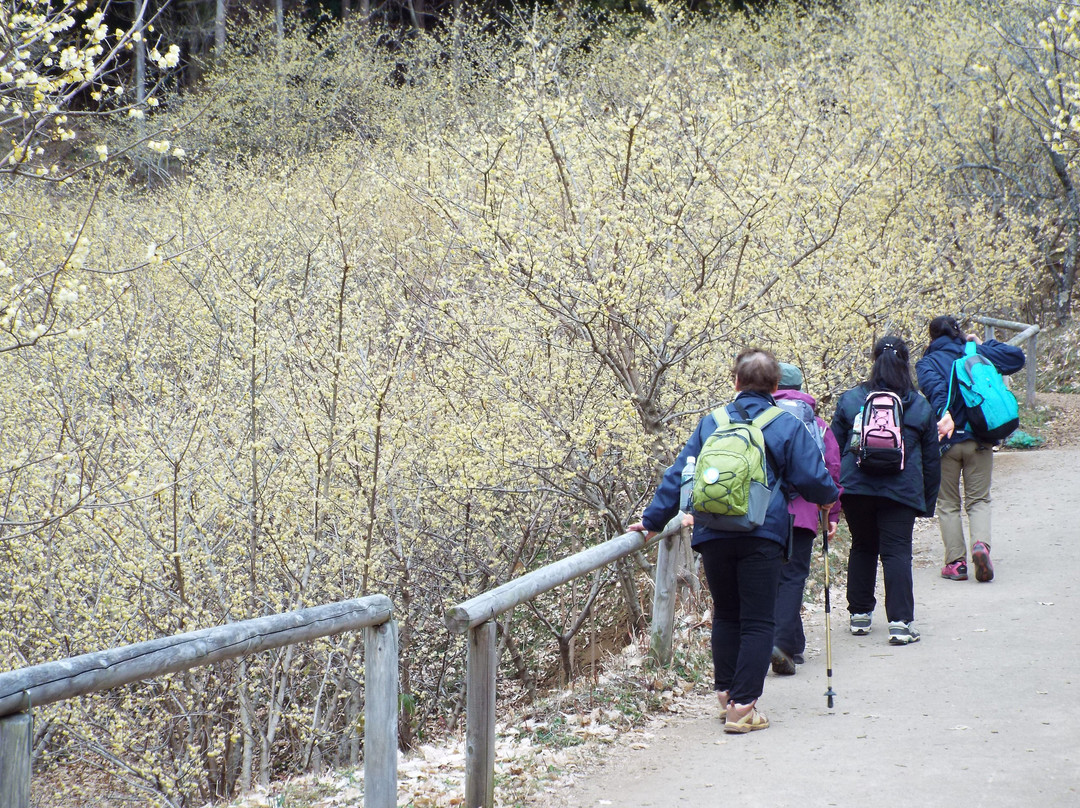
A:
[806,513]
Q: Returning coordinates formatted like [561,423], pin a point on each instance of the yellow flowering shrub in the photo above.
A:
[455,334]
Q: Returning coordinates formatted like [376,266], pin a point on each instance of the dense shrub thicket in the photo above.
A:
[411,337]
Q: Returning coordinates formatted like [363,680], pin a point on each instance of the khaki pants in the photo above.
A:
[974,462]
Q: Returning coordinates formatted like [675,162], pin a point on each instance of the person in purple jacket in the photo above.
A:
[789,641]
[743,567]
[962,454]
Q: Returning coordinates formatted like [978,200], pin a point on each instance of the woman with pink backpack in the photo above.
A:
[890,471]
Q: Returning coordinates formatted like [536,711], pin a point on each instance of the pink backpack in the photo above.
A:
[881,434]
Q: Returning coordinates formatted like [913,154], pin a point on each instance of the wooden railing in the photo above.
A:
[477,617]
[26,688]
[1029,334]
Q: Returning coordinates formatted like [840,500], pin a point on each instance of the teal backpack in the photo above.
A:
[992,411]
[731,480]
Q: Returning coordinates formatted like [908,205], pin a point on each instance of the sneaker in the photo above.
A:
[901,633]
[724,701]
[980,556]
[782,662]
[956,571]
[750,720]
[860,624]
[798,659]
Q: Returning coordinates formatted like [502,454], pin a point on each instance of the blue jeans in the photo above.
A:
[789,636]
[880,527]
[742,573]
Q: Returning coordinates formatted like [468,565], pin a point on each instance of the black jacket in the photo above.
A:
[917,485]
[935,369]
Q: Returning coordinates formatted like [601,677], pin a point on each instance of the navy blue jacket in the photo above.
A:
[917,485]
[935,369]
[793,456]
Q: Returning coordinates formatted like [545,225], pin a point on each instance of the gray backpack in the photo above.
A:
[805,413]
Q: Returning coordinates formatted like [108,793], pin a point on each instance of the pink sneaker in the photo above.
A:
[956,571]
[980,555]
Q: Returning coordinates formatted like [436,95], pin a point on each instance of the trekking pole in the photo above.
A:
[828,608]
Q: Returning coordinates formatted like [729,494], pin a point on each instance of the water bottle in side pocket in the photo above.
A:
[686,489]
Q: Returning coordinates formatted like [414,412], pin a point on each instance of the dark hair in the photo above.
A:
[891,370]
[756,370]
[946,326]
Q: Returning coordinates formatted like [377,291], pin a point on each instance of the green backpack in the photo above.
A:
[731,480]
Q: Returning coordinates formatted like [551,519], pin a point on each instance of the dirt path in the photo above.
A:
[984,710]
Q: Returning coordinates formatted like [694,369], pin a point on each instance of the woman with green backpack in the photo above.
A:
[740,535]
[963,453]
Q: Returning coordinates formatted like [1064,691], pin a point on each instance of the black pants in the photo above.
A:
[789,635]
[881,528]
[742,574]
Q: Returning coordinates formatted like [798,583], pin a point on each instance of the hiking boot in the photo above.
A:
[742,718]
[980,556]
[782,662]
[956,571]
[860,624]
[901,633]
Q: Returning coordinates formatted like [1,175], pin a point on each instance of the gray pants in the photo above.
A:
[974,462]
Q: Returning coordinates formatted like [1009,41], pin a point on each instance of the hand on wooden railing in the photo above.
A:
[640,528]
[687,521]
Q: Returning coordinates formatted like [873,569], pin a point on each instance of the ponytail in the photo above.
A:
[891,370]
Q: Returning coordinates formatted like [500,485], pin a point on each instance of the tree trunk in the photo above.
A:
[1065,277]
[219,29]
[418,11]
[631,596]
[246,728]
[1066,282]
[140,63]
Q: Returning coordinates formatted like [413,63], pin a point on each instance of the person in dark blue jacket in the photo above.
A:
[743,568]
[962,454]
[881,509]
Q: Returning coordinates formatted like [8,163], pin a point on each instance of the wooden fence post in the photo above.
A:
[663,612]
[482,666]
[1032,360]
[380,715]
[16,736]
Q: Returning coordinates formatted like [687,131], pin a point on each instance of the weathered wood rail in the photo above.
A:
[25,688]
[477,617]
[1028,333]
